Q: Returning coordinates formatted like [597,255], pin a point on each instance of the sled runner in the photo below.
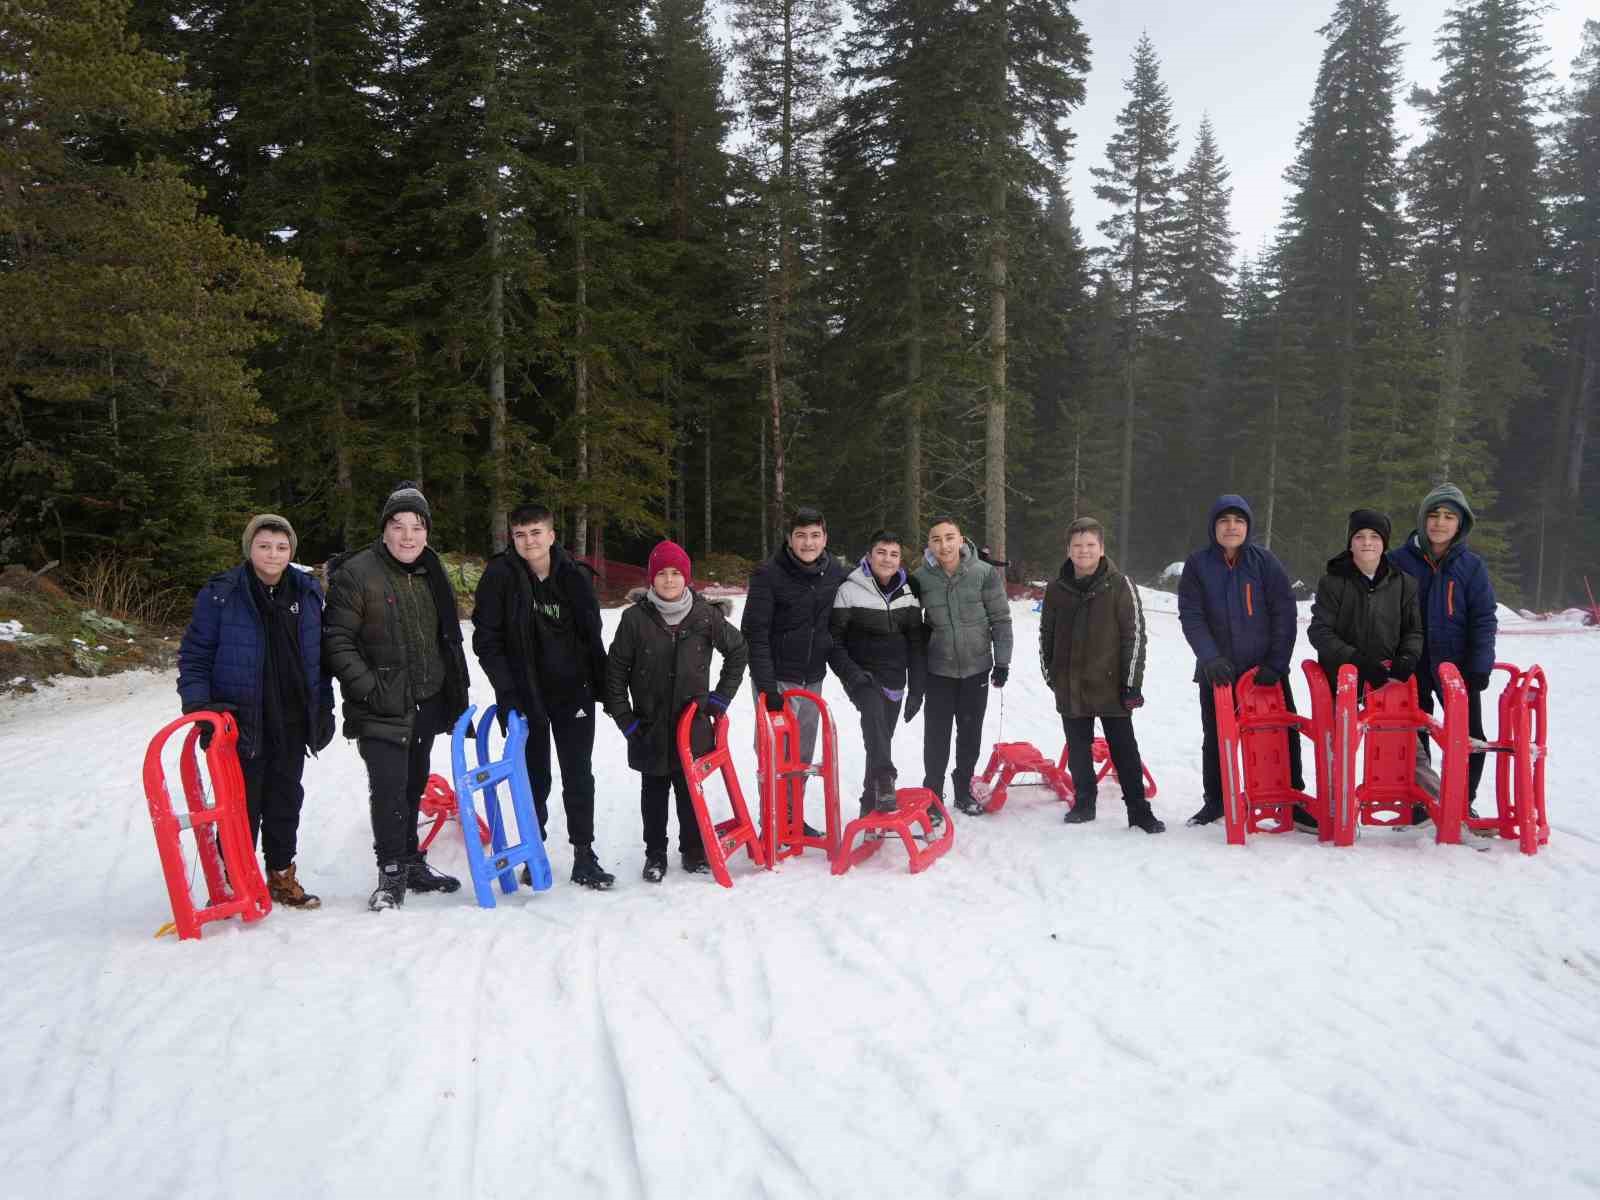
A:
[1520,754]
[720,839]
[1253,727]
[438,806]
[783,779]
[234,885]
[1101,750]
[1008,760]
[910,822]
[500,859]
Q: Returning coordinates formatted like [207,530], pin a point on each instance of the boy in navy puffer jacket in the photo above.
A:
[1458,606]
[1237,612]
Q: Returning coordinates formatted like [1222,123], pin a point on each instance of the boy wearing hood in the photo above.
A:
[1237,611]
[1091,652]
[536,631]
[1458,607]
[969,648]
[660,662]
[880,655]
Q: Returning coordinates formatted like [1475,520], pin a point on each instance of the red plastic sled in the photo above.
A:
[720,839]
[439,805]
[910,815]
[783,779]
[1253,727]
[1008,760]
[1520,750]
[1101,752]
[234,886]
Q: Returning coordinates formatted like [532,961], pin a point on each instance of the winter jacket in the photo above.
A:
[1243,612]
[785,619]
[364,645]
[654,669]
[1354,617]
[879,633]
[968,616]
[1092,641]
[502,628]
[1457,599]
[222,658]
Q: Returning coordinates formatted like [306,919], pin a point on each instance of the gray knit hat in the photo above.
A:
[269,521]
[407,497]
[1449,495]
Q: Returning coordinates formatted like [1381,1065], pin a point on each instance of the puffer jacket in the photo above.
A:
[502,627]
[1458,605]
[1354,617]
[222,658]
[653,670]
[968,616]
[879,633]
[1243,611]
[365,648]
[785,619]
[1092,641]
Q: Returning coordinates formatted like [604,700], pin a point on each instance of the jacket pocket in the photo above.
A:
[388,698]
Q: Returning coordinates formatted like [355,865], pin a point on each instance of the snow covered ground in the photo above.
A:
[1048,1011]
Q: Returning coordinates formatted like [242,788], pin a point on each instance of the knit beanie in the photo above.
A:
[669,554]
[407,497]
[265,520]
[1367,518]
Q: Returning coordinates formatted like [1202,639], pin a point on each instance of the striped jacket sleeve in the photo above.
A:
[1130,613]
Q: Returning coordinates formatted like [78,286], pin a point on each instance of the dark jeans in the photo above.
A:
[272,797]
[963,701]
[573,731]
[653,808]
[1125,758]
[1425,693]
[396,775]
[1211,767]
[878,719]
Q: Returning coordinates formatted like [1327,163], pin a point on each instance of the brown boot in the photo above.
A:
[285,889]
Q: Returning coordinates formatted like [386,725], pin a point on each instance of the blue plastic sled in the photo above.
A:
[485,778]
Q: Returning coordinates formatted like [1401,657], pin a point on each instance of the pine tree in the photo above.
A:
[1138,180]
[126,389]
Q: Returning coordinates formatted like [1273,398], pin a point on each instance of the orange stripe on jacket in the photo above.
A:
[1249,608]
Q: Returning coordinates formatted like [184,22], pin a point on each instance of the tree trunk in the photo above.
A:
[1130,394]
[580,374]
[779,298]
[913,460]
[995,458]
[497,380]
[1453,375]
[766,525]
[706,546]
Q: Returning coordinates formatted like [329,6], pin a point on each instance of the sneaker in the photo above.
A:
[1207,814]
[1304,820]
[887,799]
[285,889]
[420,877]
[655,867]
[695,864]
[587,871]
[1080,813]
[1146,821]
[391,889]
[810,832]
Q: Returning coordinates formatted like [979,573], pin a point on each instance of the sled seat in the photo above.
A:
[910,822]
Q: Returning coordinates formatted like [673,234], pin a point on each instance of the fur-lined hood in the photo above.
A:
[637,595]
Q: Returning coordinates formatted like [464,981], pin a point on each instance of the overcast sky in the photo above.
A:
[1252,65]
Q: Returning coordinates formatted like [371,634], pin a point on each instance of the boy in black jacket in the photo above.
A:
[880,654]
[536,630]
[660,661]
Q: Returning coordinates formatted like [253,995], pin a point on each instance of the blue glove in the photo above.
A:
[892,695]
[718,701]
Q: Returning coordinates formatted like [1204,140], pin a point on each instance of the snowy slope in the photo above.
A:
[1048,1011]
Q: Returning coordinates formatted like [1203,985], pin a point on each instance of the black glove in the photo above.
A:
[1001,674]
[1477,680]
[1217,670]
[1267,677]
[635,729]
[206,728]
[913,705]
[1403,667]
[1373,671]
[1132,699]
[327,725]
[773,701]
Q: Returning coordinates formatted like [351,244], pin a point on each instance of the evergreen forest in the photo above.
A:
[673,268]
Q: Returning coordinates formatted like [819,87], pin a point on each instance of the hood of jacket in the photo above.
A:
[862,576]
[1226,502]
[1440,494]
[637,596]
[1344,564]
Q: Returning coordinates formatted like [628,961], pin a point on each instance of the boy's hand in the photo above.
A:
[773,701]
[1132,699]
[1266,676]
[1217,670]
[1403,667]
[1374,671]
[1477,680]
[1001,674]
[718,703]
[913,706]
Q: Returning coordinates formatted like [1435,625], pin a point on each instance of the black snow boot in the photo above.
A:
[1081,813]
[1140,816]
[655,867]
[695,864]
[587,871]
[887,801]
[420,877]
[1208,813]
[1303,819]
[391,889]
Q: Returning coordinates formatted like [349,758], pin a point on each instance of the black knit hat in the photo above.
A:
[1367,518]
[407,497]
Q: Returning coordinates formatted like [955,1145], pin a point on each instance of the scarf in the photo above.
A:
[672,611]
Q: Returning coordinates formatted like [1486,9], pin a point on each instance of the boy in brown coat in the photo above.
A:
[1092,649]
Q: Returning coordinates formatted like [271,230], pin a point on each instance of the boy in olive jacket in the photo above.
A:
[1091,651]
[660,661]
